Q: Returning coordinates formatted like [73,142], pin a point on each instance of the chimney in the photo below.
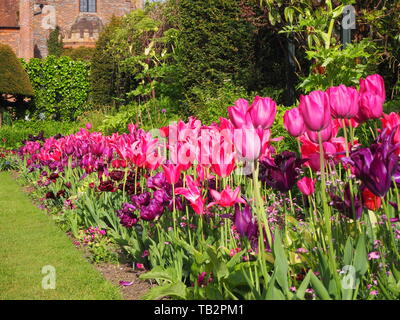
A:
[26,29]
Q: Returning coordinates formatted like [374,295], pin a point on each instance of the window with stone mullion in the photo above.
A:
[88,5]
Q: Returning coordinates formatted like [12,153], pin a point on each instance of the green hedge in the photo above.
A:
[61,87]
[11,137]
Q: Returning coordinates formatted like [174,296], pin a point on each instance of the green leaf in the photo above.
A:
[281,264]
[360,257]
[158,273]
[177,290]
[319,287]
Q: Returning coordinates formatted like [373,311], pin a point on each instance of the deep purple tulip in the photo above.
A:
[127,215]
[282,172]
[157,182]
[375,166]
[107,186]
[153,211]
[142,199]
[245,222]
[117,175]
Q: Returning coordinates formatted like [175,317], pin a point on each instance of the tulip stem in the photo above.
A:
[327,216]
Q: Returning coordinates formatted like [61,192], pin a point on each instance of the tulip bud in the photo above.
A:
[293,122]
[315,110]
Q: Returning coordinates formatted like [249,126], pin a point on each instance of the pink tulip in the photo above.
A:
[293,122]
[88,126]
[374,85]
[306,186]
[247,143]
[371,107]
[226,198]
[263,112]
[315,110]
[343,101]
[238,114]
[193,195]
[326,134]
[172,172]
[224,165]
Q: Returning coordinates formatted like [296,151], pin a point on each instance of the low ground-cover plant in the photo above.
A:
[217,212]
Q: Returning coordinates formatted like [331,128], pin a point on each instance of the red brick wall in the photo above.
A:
[10,37]
[9,13]
[67,17]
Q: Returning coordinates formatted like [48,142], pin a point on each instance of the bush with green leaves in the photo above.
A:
[80,53]
[11,136]
[155,113]
[61,87]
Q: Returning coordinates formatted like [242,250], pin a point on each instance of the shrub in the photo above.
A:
[11,137]
[14,82]
[216,43]
[154,113]
[61,85]
[209,103]
[103,69]
[80,53]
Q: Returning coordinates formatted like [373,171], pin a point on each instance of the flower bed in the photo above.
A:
[213,212]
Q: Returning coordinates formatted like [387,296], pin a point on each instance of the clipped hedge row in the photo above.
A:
[11,136]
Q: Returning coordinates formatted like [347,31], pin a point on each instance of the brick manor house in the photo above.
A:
[25,25]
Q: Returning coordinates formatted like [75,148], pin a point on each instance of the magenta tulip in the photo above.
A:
[373,84]
[343,101]
[371,107]
[172,172]
[263,112]
[326,134]
[293,122]
[315,110]
[238,114]
[306,186]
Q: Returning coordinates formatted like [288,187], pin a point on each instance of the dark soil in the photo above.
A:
[116,273]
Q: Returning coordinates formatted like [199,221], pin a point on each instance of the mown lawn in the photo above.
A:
[30,240]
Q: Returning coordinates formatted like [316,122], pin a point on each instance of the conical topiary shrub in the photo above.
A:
[14,81]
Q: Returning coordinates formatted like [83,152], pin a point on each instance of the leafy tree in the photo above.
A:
[14,82]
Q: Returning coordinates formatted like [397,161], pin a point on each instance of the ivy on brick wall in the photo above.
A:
[61,87]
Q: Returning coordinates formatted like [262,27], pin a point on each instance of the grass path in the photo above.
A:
[30,240]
